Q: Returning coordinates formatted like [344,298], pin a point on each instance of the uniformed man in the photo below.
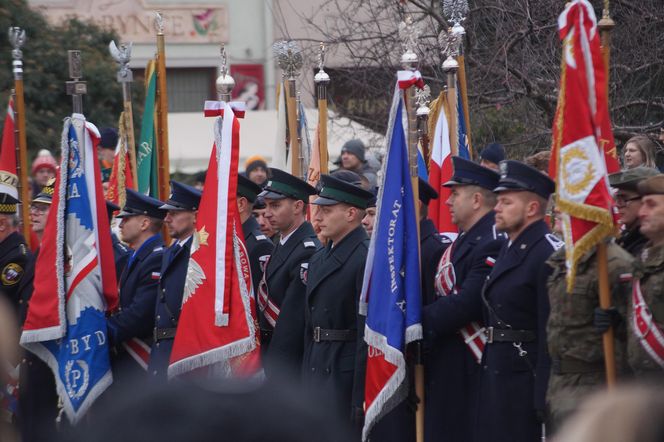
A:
[645,339]
[259,246]
[515,365]
[575,348]
[13,250]
[628,202]
[180,220]
[369,219]
[130,329]
[451,319]
[333,332]
[263,224]
[281,291]
[121,252]
[38,399]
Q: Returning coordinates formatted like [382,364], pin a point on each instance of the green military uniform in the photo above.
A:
[649,270]
[575,346]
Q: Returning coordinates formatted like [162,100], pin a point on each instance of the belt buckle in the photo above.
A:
[316,334]
[489,335]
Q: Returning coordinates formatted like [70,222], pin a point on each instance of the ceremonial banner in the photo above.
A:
[8,152]
[391,297]
[217,325]
[280,157]
[463,147]
[583,146]
[146,152]
[121,176]
[74,285]
[440,168]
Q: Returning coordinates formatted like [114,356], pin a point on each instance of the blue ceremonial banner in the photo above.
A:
[74,278]
[391,295]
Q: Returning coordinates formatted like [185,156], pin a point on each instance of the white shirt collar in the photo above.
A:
[283,239]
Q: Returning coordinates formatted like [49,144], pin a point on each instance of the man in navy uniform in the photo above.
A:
[121,252]
[334,350]
[259,246]
[180,221]
[130,329]
[452,366]
[281,291]
[515,363]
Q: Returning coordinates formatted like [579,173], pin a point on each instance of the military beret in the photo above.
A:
[284,185]
[652,186]
[628,179]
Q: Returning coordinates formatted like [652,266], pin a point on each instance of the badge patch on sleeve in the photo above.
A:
[304,270]
[11,274]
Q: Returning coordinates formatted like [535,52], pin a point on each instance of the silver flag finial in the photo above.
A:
[321,76]
[17,39]
[408,34]
[159,22]
[422,99]
[289,57]
[122,56]
[455,11]
[225,83]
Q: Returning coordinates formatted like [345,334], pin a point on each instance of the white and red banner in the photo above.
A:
[217,326]
[441,170]
[75,280]
[583,146]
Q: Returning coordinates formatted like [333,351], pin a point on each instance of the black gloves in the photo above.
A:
[605,318]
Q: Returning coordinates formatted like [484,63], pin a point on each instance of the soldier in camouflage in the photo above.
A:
[577,356]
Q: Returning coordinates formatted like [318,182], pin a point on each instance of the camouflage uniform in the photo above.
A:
[650,270]
[575,346]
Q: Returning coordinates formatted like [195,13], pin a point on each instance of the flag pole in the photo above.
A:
[409,61]
[451,66]
[17,39]
[322,79]
[606,25]
[289,58]
[162,112]
[122,55]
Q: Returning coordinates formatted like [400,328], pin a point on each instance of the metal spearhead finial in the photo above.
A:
[289,57]
[408,34]
[76,88]
[225,83]
[17,39]
[122,56]
[321,76]
[159,23]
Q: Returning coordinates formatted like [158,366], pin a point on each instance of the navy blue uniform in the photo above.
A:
[451,370]
[432,246]
[138,294]
[285,275]
[13,259]
[513,385]
[121,254]
[259,248]
[169,302]
[334,350]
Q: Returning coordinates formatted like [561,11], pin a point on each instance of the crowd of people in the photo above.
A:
[509,354]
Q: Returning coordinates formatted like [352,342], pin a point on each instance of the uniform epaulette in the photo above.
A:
[23,249]
[158,249]
[309,244]
[497,234]
[261,237]
[554,241]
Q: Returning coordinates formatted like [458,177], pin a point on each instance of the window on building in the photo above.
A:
[189,88]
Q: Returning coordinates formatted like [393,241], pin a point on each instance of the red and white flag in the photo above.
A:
[217,326]
[441,171]
[583,146]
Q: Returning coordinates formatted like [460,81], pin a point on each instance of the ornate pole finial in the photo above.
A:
[456,12]
[225,83]
[289,58]
[321,76]
[159,23]
[449,43]
[75,87]
[122,56]
[17,39]
[422,99]
[408,34]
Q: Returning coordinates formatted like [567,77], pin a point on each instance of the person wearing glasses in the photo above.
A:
[628,202]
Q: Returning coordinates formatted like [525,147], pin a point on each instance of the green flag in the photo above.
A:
[146,156]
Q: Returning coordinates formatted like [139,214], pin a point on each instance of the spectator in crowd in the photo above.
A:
[491,155]
[256,169]
[539,161]
[353,158]
[639,151]
[43,169]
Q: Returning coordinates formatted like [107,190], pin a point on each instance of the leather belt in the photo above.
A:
[159,334]
[323,334]
[508,335]
[568,366]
